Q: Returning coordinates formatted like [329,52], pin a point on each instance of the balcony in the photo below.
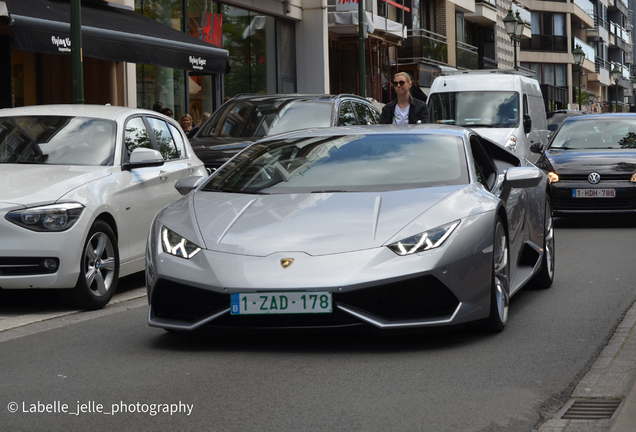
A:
[467,56]
[545,43]
[590,54]
[423,45]
[485,13]
[585,12]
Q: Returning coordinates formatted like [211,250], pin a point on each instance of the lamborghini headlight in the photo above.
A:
[176,245]
[424,241]
[511,144]
[54,217]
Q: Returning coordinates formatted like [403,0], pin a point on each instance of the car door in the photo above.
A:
[150,188]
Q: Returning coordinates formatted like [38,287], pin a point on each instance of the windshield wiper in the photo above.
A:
[484,125]
[329,191]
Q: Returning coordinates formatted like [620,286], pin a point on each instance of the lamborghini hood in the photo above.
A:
[316,223]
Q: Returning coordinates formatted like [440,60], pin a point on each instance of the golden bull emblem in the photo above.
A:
[286,262]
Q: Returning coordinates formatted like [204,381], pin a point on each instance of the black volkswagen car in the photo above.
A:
[591,164]
[245,119]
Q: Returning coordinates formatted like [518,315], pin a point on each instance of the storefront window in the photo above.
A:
[168,12]
[160,84]
[206,23]
[250,38]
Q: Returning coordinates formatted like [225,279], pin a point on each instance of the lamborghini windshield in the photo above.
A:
[345,163]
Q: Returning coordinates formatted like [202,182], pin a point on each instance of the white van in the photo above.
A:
[504,106]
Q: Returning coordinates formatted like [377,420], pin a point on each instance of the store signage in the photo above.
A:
[197,62]
[63,44]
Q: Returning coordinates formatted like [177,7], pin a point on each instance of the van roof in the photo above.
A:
[484,82]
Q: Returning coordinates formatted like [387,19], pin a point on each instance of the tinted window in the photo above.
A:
[164,139]
[347,117]
[350,163]
[178,141]
[269,116]
[364,113]
[474,109]
[136,135]
[56,140]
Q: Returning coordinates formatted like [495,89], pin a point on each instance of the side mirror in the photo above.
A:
[527,123]
[523,177]
[143,157]
[186,185]
[536,148]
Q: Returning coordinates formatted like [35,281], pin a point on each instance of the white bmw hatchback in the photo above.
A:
[79,188]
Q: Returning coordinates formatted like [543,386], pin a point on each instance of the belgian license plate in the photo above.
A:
[593,193]
[291,302]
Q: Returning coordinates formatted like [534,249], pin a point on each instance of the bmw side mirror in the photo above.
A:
[527,123]
[143,157]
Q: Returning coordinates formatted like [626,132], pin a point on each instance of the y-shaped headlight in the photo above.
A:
[424,241]
[176,245]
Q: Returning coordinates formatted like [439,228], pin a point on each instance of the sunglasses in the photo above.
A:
[398,83]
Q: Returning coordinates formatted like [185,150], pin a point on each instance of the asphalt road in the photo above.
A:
[114,365]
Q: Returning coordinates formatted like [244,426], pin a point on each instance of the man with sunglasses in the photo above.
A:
[405,109]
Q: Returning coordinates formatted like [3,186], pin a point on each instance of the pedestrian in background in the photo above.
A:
[167,112]
[186,122]
[157,106]
[204,117]
[404,109]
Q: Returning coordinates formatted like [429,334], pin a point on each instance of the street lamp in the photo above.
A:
[579,58]
[514,28]
[616,75]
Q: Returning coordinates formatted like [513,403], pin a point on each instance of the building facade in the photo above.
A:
[313,46]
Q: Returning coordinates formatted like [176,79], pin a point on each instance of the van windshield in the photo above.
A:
[475,109]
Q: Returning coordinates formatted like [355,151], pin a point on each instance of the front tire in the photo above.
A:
[99,270]
[499,295]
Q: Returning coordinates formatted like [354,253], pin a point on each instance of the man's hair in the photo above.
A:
[157,106]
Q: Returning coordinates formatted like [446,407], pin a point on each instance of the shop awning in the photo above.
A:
[109,32]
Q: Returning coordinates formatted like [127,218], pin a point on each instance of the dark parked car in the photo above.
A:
[247,118]
[555,118]
[591,164]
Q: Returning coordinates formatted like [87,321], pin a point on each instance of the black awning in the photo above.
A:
[110,32]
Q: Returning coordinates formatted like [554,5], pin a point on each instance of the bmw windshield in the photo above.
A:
[475,109]
[345,163]
[57,140]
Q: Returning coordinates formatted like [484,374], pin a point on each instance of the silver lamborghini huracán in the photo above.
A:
[388,227]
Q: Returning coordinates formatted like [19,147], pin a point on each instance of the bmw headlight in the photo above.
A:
[424,241]
[54,217]
[511,144]
[176,245]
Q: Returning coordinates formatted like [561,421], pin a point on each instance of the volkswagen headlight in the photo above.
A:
[54,217]
[554,177]
[424,241]
[176,245]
